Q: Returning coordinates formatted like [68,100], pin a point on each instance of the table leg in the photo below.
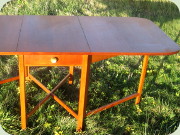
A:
[27,72]
[22,91]
[71,72]
[142,78]
[83,91]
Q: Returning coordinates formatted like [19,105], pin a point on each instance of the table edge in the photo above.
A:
[89,53]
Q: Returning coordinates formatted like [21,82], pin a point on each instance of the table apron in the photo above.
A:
[52,60]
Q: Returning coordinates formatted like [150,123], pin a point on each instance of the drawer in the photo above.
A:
[52,60]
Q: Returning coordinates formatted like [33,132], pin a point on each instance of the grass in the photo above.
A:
[159,111]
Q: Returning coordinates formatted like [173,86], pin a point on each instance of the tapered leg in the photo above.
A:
[22,91]
[71,72]
[142,78]
[83,91]
[27,72]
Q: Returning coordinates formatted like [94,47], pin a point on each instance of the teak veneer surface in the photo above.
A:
[126,35]
[52,34]
[83,35]
[9,32]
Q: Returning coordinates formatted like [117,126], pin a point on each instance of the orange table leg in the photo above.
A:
[22,91]
[71,72]
[142,78]
[83,91]
[27,72]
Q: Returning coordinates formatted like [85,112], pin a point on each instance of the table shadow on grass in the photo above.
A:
[165,66]
[50,76]
[154,10]
[107,85]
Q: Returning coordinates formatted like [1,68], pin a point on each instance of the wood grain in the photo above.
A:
[52,34]
[125,35]
[9,32]
[84,35]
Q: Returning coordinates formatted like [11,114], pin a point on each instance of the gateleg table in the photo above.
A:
[77,41]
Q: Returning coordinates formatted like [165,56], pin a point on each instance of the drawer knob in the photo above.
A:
[54,60]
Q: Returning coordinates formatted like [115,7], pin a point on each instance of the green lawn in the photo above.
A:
[112,79]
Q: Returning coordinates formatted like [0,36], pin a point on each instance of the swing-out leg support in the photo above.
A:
[9,80]
[27,72]
[71,72]
[86,61]
[142,78]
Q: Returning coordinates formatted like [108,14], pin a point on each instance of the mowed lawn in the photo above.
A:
[112,79]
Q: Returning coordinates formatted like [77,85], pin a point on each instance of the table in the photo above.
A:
[77,41]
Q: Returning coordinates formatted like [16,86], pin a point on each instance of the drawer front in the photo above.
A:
[52,60]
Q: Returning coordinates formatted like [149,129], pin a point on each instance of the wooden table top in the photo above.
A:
[81,35]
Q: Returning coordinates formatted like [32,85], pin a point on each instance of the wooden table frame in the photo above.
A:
[77,41]
[24,74]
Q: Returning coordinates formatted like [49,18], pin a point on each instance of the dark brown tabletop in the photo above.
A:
[82,35]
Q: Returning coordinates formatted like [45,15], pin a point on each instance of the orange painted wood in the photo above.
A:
[87,53]
[71,72]
[67,108]
[142,78]
[96,58]
[27,71]
[9,80]
[38,106]
[10,27]
[22,91]
[45,60]
[112,104]
[76,41]
[48,96]
[83,91]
